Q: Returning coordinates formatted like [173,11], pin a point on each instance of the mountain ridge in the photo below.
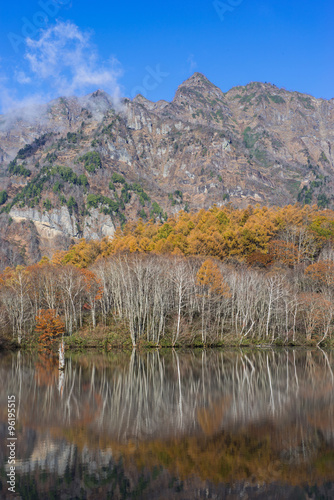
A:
[110,163]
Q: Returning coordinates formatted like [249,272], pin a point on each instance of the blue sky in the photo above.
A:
[76,46]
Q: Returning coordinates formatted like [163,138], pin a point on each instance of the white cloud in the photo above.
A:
[62,61]
[22,78]
[65,57]
[26,107]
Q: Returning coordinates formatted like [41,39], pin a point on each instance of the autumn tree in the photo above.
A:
[49,327]
[182,282]
[93,292]
[316,314]
[284,252]
[322,273]
[71,289]
[212,288]
[15,287]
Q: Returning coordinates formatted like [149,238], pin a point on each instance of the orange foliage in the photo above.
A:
[209,276]
[284,252]
[92,284]
[219,232]
[49,327]
[316,311]
[322,272]
[260,259]
[57,258]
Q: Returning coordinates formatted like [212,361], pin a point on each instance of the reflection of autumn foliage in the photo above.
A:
[248,455]
[49,327]
[322,419]
[79,431]
[230,457]
[275,449]
[210,419]
[47,372]
[292,444]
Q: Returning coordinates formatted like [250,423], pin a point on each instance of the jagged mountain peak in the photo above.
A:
[198,83]
[139,98]
[99,93]
[198,80]
[98,96]
[199,101]
[98,103]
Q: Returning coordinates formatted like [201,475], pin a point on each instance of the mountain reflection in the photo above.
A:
[222,417]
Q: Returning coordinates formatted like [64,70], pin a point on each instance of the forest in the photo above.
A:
[222,276]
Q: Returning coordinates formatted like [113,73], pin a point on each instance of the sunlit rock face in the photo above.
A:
[253,144]
[231,422]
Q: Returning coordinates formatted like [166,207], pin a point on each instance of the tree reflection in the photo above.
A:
[207,400]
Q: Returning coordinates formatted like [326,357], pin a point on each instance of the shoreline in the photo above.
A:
[107,344]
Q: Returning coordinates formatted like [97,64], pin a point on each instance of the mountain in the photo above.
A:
[80,167]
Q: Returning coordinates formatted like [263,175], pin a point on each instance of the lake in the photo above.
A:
[170,425]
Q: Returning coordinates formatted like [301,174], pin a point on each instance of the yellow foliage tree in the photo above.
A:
[210,277]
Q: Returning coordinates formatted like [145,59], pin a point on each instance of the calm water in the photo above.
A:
[216,424]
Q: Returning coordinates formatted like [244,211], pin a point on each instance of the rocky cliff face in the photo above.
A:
[78,167]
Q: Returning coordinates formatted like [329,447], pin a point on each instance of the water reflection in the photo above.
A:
[173,424]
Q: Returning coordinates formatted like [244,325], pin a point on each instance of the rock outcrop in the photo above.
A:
[78,167]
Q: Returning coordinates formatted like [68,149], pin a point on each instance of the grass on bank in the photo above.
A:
[116,337]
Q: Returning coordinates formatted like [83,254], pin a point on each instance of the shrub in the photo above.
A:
[118,178]
[18,169]
[91,160]
[71,204]
[93,200]
[323,201]
[156,210]
[66,173]
[47,204]
[3,197]
[57,187]
[72,137]
[277,99]
[250,138]
[82,180]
